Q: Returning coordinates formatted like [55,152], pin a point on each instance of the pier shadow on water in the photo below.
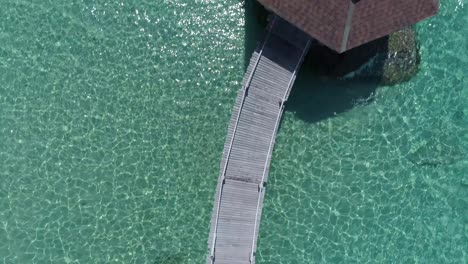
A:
[318,92]
[255,23]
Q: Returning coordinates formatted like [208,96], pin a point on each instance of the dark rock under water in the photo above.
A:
[439,149]
[170,259]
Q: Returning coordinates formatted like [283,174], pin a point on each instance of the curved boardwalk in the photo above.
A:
[249,143]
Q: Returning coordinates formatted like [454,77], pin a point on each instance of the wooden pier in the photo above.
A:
[249,143]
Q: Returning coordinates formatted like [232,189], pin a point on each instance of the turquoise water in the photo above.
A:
[112,122]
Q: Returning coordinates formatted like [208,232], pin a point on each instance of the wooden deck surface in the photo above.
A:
[249,143]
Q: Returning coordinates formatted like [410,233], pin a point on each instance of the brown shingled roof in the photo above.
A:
[345,24]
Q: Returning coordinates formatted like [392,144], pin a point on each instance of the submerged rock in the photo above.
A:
[170,259]
[402,60]
[438,150]
[388,60]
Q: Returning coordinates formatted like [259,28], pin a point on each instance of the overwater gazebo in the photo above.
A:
[344,24]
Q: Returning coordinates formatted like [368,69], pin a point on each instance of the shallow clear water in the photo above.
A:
[113,118]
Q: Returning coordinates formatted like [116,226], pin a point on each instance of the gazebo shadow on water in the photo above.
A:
[318,93]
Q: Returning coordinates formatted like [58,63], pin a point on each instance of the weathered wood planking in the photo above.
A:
[249,143]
